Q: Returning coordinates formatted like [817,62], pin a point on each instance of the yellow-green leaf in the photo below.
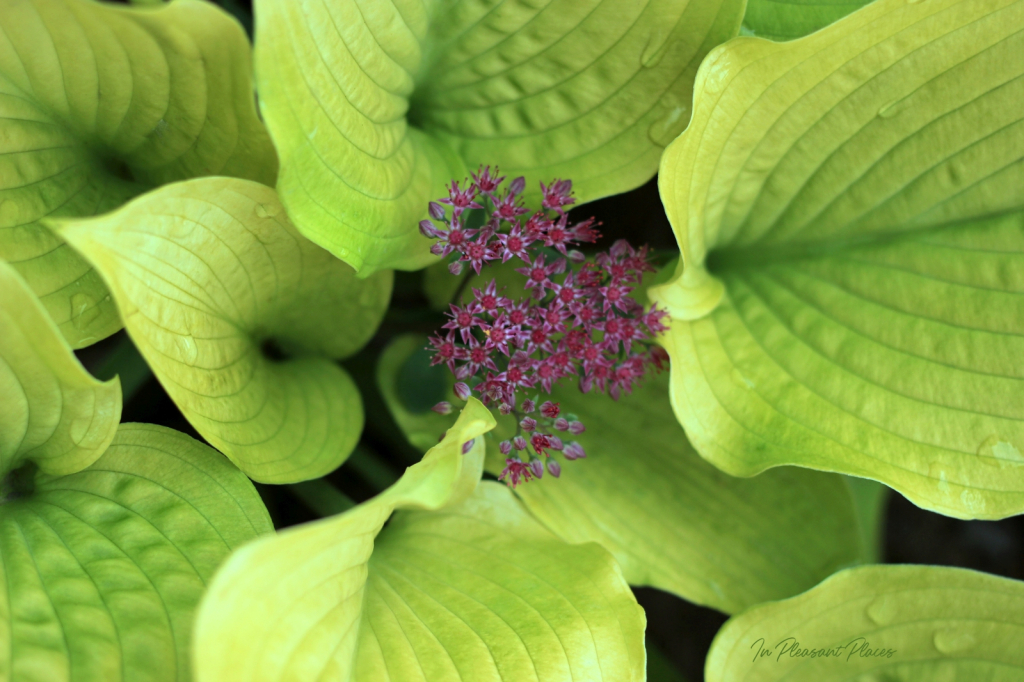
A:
[671,520]
[103,568]
[788,19]
[375,105]
[99,102]
[204,273]
[847,210]
[880,624]
[52,411]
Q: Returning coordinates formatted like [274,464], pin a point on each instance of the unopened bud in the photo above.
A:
[554,468]
[505,447]
[468,445]
[519,443]
[529,406]
[528,423]
[577,256]
[455,268]
[549,409]
[537,467]
[518,185]
[562,424]
[429,230]
[436,210]
[462,390]
[505,408]
[443,407]
[574,451]
[556,442]
[576,428]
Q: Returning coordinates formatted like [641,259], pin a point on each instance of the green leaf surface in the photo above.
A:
[204,273]
[99,102]
[104,567]
[375,105]
[847,206]
[940,625]
[52,411]
[671,520]
[789,19]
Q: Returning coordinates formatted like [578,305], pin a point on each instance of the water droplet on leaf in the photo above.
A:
[655,49]
[881,611]
[668,126]
[187,350]
[972,501]
[79,429]
[741,380]
[995,451]
[953,641]
[83,310]
[893,108]
[267,210]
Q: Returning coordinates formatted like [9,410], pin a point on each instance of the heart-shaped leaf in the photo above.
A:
[851,296]
[787,20]
[880,624]
[671,520]
[104,567]
[52,411]
[99,102]
[375,105]
[471,588]
[204,273]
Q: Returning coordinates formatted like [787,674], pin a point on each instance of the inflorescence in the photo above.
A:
[577,321]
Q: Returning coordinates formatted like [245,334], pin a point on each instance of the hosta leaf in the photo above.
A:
[880,624]
[852,196]
[788,19]
[104,568]
[375,105]
[52,412]
[205,272]
[99,103]
[671,520]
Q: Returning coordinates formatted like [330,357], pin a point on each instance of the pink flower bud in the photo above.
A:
[577,257]
[429,230]
[554,468]
[505,408]
[443,407]
[562,424]
[462,390]
[574,451]
[576,428]
[528,423]
[518,185]
[505,447]
[519,443]
[549,409]
[436,210]
[537,467]
[468,445]
[529,406]
[455,268]
[556,442]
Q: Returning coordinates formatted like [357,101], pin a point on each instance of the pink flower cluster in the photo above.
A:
[577,321]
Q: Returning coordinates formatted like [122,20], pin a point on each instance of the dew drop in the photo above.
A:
[84,310]
[267,210]
[995,451]
[952,641]
[668,126]
[972,501]
[881,611]
[655,49]
[160,128]
[187,350]
[893,108]
[740,380]
[79,429]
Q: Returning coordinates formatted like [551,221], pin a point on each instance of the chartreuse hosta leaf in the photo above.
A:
[880,624]
[52,412]
[104,567]
[203,273]
[671,520]
[790,19]
[375,105]
[98,103]
[468,588]
[854,265]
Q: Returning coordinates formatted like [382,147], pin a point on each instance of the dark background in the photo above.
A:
[680,630]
